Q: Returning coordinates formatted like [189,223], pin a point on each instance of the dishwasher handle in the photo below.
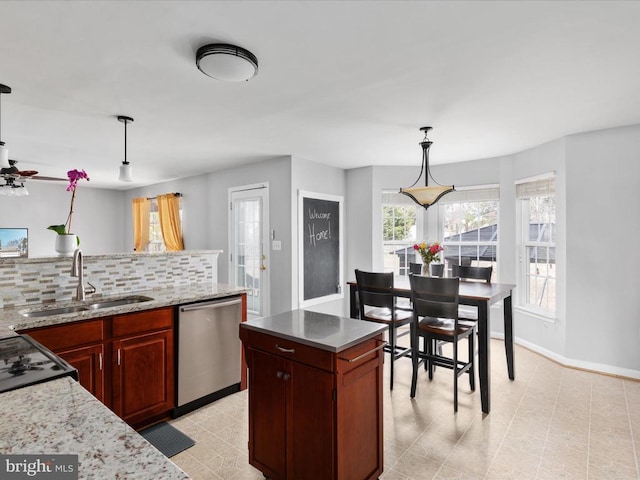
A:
[217,303]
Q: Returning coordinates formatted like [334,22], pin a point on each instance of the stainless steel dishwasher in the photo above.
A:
[209,352]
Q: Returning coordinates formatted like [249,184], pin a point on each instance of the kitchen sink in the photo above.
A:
[55,311]
[119,302]
[91,306]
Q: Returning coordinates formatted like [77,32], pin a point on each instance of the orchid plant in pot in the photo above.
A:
[67,241]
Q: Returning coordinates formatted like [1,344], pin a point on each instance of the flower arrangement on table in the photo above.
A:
[74,176]
[429,251]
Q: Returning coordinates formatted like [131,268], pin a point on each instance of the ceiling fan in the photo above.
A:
[22,175]
[13,178]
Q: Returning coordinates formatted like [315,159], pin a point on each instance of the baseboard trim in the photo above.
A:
[571,363]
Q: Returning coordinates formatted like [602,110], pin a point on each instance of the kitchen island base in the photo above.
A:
[314,413]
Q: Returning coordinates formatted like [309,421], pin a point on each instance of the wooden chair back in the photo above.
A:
[472,273]
[435,297]
[374,290]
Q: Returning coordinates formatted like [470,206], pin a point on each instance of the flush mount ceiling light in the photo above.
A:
[426,196]
[126,173]
[4,152]
[227,62]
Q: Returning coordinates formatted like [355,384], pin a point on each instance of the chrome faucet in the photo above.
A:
[77,268]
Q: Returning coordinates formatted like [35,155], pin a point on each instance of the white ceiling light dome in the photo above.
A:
[225,62]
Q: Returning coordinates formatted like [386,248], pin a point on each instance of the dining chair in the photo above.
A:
[474,274]
[437,269]
[435,319]
[377,304]
[415,268]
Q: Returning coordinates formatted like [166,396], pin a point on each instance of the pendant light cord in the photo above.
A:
[125,142]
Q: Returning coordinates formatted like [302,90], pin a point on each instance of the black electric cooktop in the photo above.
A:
[23,362]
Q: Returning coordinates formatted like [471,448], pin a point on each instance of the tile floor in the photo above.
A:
[550,423]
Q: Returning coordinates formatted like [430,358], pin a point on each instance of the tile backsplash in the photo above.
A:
[48,280]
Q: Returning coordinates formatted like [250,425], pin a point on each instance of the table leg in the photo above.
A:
[353,302]
[483,356]
[508,336]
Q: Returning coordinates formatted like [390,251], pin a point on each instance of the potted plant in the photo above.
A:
[429,253]
[66,241]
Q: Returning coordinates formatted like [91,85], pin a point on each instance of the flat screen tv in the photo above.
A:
[14,242]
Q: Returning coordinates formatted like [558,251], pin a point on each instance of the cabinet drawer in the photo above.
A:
[70,335]
[139,322]
[289,349]
[360,354]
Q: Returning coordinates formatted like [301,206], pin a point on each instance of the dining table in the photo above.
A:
[477,294]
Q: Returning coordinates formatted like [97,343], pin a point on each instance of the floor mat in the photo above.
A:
[169,440]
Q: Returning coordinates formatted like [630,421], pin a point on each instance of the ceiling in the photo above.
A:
[344,83]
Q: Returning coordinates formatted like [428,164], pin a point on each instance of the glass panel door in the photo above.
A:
[248,260]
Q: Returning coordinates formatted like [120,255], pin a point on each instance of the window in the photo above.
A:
[156,243]
[469,226]
[538,251]
[399,225]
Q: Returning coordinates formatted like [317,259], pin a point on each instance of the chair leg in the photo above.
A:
[455,374]
[472,359]
[414,359]
[392,341]
[429,344]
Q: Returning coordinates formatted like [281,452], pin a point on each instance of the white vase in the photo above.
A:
[66,244]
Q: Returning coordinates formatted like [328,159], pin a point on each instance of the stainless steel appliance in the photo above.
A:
[209,352]
[23,362]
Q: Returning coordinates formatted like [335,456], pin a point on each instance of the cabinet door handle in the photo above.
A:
[351,360]
[279,374]
[285,350]
[118,354]
[100,361]
[286,376]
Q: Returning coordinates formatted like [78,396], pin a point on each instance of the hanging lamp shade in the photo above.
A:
[427,195]
[126,171]
[4,151]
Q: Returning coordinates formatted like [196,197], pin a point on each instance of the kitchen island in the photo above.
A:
[61,417]
[315,396]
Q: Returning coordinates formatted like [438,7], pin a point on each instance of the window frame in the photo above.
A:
[524,243]
[402,200]
[469,194]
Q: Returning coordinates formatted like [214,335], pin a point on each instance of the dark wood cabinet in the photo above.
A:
[90,364]
[314,414]
[143,373]
[125,361]
[82,345]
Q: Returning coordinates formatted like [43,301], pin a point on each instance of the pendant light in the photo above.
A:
[126,173]
[4,151]
[426,196]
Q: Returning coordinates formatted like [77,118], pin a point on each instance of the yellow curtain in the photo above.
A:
[169,213]
[141,208]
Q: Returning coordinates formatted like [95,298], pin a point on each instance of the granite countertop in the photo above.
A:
[319,330]
[11,319]
[61,417]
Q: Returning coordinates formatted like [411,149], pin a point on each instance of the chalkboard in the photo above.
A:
[320,247]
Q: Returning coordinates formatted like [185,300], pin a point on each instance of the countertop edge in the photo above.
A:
[376,329]
[11,320]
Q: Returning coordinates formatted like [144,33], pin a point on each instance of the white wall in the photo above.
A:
[603,252]
[97,218]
